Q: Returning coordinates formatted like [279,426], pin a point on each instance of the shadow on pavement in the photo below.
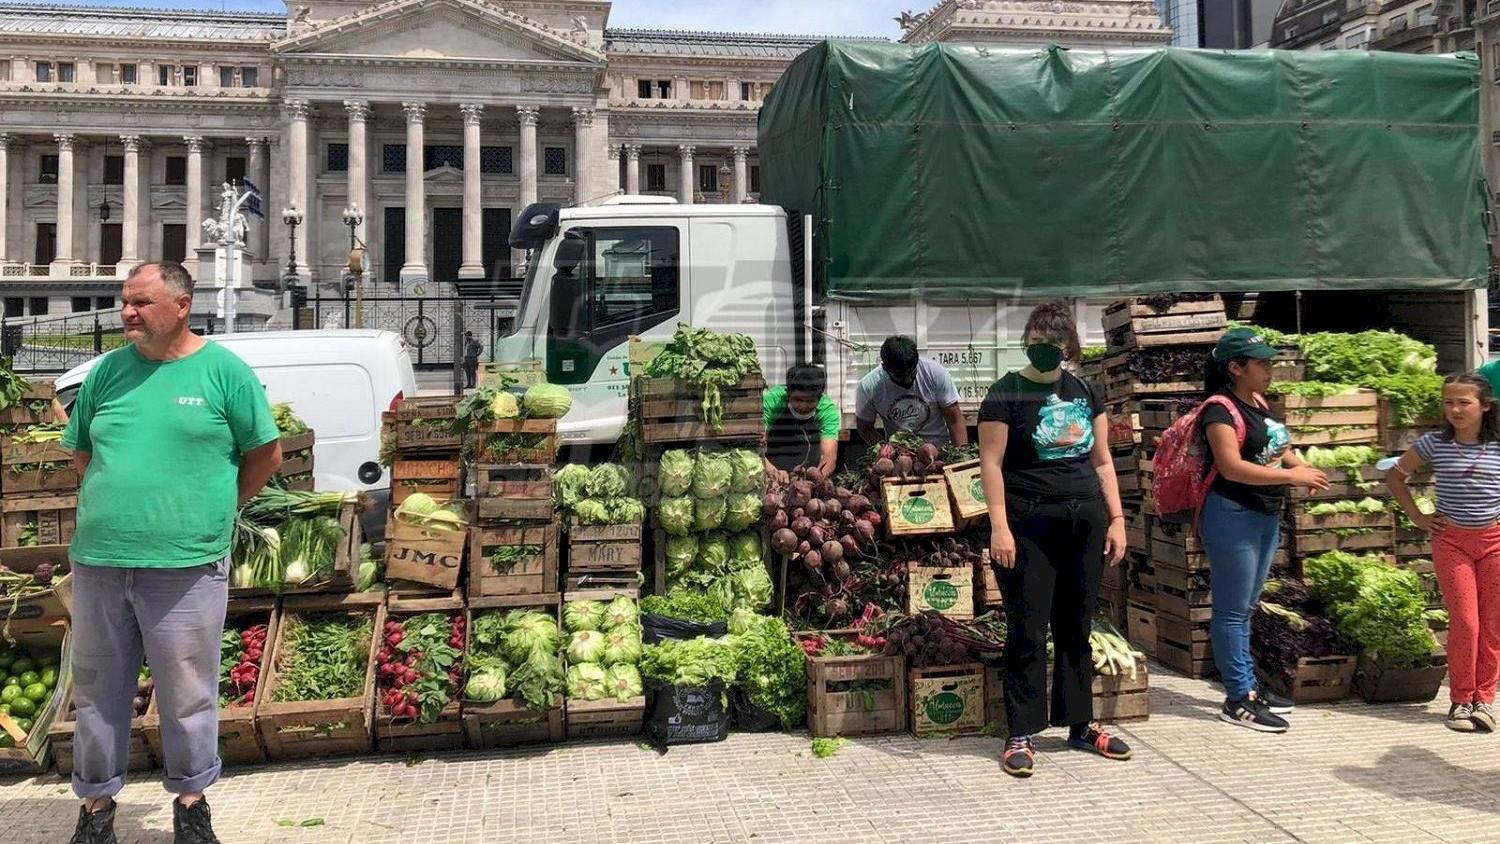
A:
[52,819]
[1411,772]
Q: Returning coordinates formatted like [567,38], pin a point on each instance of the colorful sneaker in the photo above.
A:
[1274,702]
[1018,759]
[1483,716]
[1460,718]
[1253,714]
[1095,740]
[95,827]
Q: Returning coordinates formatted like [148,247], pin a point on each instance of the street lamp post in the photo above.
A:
[356,272]
[290,280]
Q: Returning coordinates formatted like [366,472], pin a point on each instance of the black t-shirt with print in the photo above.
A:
[1266,443]
[1051,436]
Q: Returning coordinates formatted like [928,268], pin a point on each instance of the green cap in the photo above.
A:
[1243,343]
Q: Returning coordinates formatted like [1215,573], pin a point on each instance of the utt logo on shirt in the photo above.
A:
[191,401]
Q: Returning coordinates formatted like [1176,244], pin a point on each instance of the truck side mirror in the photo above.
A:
[570,253]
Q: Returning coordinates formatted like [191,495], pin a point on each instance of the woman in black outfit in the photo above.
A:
[1055,518]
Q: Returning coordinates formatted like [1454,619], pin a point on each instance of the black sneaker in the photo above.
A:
[1093,739]
[95,827]
[192,824]
[1274,702]
[1251,713]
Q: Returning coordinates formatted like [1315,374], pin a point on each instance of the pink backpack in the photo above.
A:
[1182,469]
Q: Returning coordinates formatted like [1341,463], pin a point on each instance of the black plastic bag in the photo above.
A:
[655,628]
[685,714]
[749,717]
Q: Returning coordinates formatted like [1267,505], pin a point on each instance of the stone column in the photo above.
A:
[685,190]
[612,178]
[416,193]
[297,113]
[194,193]
[4,194]
[130,224]
[260,239]
[632,169]
[583,118]
[741,175]
[64,252]
[359,112]
[473,251]
[526,116]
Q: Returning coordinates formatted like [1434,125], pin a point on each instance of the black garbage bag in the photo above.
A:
[685,714]
[749,717]
[655,628]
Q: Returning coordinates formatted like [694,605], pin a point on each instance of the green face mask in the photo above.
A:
[1046,357]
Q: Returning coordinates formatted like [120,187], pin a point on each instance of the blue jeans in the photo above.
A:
[1241,543]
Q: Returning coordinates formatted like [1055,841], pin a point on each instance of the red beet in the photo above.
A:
[784,541]
[813,474]
[927,455]
[779,520]
[847,518]
[841,570]
[851,547]
[843,493]
[883,467]
[832,508]
[801,525]
[799,494]
[833,552]
[866,531]
[804,546]
[837,608]
[824,489]
[871,516]
[888,451]
[771,504]
[904,465]
[817,535]
[814,509]
[813,560]
[858,504]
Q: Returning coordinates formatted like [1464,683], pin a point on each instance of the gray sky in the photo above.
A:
[799,17]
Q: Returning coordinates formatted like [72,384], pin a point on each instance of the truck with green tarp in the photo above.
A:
[939,191]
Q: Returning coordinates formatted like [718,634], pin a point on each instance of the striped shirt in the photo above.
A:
[1468,479]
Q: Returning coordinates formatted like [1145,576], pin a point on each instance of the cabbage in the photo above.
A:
[620,612]
[569,482]
[711,475]
[486,685]
[744,548]
[742,620]
[681,550]
[622,646]
[530,633]
[623,682]
[713,553]
[608,480]
[752,587]
[676,515]
[591,511]
[583,615]
[676,473]
[708,514]
[586,681]
[418,504]
[505,406]
[547,401]
[749,471]
[741,511]
[586,646]
[625,511]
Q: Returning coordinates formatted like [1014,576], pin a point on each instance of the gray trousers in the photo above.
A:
[174,618]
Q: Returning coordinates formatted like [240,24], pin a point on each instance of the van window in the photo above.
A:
[337,401]
[634,274]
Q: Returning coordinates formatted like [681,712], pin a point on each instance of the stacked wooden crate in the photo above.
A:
[38,494]
[424,437]
[514,544]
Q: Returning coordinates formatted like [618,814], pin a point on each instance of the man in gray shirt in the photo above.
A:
[909,393]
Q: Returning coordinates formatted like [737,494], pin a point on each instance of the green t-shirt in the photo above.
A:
[829,419]
[165,440]
[1491,372]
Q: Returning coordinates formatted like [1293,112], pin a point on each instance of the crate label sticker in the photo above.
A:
[918,510]
[940,595]
[976,491]
[944,708]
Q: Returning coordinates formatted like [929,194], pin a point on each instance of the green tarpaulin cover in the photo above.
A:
[970,172]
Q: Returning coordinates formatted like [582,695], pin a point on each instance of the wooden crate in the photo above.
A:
[1140,627]
[1377,683]
[34,407]
[1122,698]
[33,750]
[1184,645]
[604,548]
[610,585]
[946,700]
[516,441]
[1350,418]
[855,695]
[311,729]
[605,718]
[1320,679]
[53,518]
[1290,366]
[54,603]
[345,564]
[1181,580]
[987,585]
[424,555]
[446,733]
[1317,534]
[1124,429]
[915,508]
[966,490]
[946,591]
[297,461]
[239,740]
[36,468]
[1111,605]
[1131,324]
[1192,604]
[1121,383]
[61,735]
[1396,437]
[534,575]
[508,723]
[435,475]
[513,493]
[671,411]
[424,424]
[1364,482]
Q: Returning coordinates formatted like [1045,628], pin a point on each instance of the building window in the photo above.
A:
[708,178]
[1330,16]
[65,72]
[643,89]
[165,74]
[1331,45]
[189,75]
[656,177]
[338,158]
[111,243]
[249,77]
[1425,15]
[44,71]
[555,161]
[46,243]
[174,242]
[496,160]
[440,155]
[104,303]
[80,304]
[176,170]
[114,169]
[755,178]
[48,173]
[234,169]
[232,76]
[127,74]
[1289,33]
[37,305]
[1357,40]
[226,77]
[747,91]
[15,306]
[393,158]
[664,89]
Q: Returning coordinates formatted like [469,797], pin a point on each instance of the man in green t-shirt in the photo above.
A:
[170,435]
[802,423]
[1491,373]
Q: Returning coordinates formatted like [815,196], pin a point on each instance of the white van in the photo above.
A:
[338,381]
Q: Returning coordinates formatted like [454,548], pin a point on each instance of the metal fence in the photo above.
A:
[52,345]
[432,326]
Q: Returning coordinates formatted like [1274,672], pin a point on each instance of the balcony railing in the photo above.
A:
[27,271]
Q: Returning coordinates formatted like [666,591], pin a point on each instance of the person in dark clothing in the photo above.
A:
[1056,519]
[472,350]
[802,423]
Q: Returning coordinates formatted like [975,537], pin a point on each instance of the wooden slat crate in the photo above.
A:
[947,700]
[1291,366]
[609,584]
[508,723]
[61,736]
[433,474]
[345,564]
[1317,534]
[1321,679]
[31,750]
[1346,419]
[1121,383]
[425,424]
[604,548]
[536,574]
[517,441]
[512,493]
[42,520]
[966,490]
[1132,324]
[36,468]
[309,729]
[1195,605]
[1398,437]
[672,410]
[1140,627]
[1184,645]
[1118,698]
[1176,579]
[946,591]
[1364,482]
[447,732]
[1124,429]
[424,554]
[1377,683]
[297,461]
[33,408]
[605,718]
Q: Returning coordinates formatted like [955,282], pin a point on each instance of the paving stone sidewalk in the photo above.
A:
[1349,772]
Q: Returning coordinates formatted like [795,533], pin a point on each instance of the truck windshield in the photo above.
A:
[531,295]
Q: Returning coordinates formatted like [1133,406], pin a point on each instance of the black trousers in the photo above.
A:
[1055,582]
[471,371]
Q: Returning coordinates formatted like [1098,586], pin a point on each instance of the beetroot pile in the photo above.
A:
[239,664]
[420,665]
[831,531]
[904,456]
[922,639]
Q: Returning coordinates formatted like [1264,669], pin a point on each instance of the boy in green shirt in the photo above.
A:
[802,424]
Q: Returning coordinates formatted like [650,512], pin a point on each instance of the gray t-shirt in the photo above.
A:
[917,409]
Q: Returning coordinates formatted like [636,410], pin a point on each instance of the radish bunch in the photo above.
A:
[240,664]
[420,665]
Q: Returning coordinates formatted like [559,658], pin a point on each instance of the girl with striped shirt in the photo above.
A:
[1465,461]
